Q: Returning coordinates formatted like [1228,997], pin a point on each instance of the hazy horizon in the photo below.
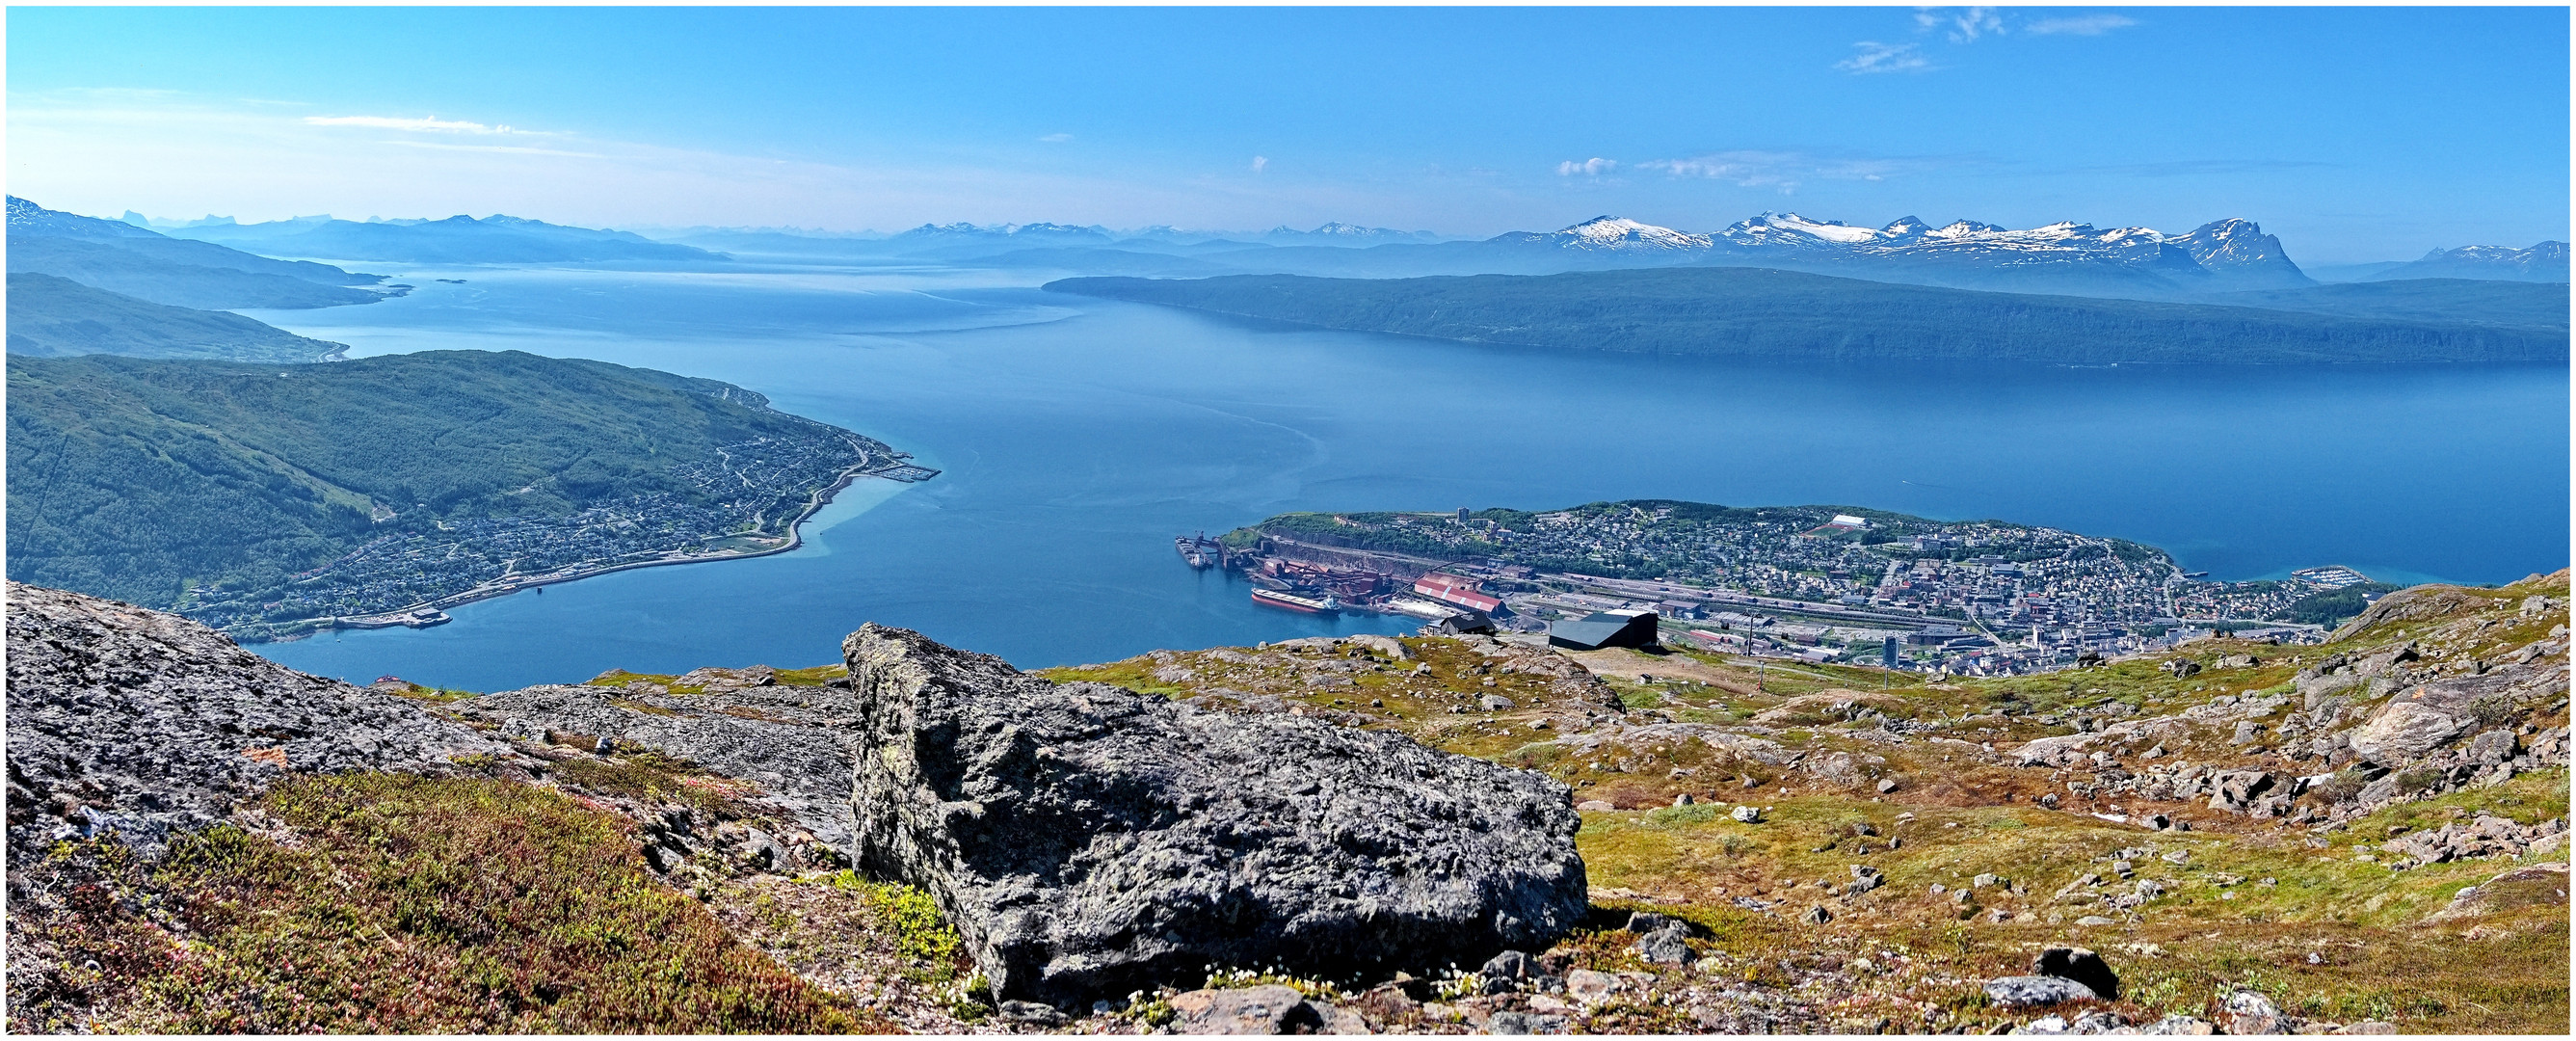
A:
[2354,135]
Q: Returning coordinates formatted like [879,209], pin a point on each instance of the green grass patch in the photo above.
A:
[913,919]
[434,695]
[651,775]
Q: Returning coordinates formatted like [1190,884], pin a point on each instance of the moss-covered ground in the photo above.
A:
[2306,914]
[402,904]
[491,905]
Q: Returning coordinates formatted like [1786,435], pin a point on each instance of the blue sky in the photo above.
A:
[2354,134]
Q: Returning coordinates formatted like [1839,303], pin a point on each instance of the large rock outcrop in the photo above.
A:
[794,742]
[136,722]
[1086,840]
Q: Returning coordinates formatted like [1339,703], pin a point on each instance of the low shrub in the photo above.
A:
[405,904]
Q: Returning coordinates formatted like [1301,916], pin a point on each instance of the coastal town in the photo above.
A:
[746,500]
[1816,584]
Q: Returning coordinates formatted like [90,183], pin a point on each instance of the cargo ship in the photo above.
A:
[1201,552]
[1295,602]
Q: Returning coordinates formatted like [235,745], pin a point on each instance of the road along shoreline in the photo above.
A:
[434,612]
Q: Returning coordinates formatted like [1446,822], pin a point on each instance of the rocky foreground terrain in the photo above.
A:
[1435,835]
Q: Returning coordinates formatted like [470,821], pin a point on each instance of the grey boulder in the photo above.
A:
[2082,966]
[2251,1012]
[2035,991]
[1087,840]
[1666,946]
[793,741]
[1266,1009]
[2405,730]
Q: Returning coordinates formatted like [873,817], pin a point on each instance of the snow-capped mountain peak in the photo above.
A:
[27,218]
[1963,229]
[2235,249]
[2543,262]
[2238,246]
[2065,255]
[1906,227]
[1338,232]
[1606,232]
[1041,230]
[1769,224]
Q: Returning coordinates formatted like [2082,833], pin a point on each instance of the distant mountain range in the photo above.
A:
[2546,262]
[2223,256]
[2232,255]
[498,239]
[2211,263]
[1336,232]
[81,285]
[1771,314]
[147,265]
[1043,244]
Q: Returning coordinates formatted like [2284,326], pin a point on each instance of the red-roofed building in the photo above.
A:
[1457,591]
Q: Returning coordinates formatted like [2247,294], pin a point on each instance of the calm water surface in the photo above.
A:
[1078,436]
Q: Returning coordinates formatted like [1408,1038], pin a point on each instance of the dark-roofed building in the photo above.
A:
[1604,629]
[1461,623]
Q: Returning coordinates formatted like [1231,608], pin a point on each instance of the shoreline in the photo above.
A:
[429,613]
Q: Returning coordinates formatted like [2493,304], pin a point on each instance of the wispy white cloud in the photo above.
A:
[2207,167]
[1785,171]
[1965,24]
[1056,139]
[425,124]
[104,152]
[1593,167]
[446,146]
[91,151]
[1882,57]
[1260,163]
[2079,25]
[1969,24]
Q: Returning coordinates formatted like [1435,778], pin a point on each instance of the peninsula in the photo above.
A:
[1816,583]
[273,501]
[1760,314]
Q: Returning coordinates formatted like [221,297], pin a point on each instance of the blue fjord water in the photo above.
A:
[1077,437]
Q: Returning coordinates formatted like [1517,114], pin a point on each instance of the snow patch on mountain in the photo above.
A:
[1336,232]
[2543,262]
[1620,233]
[1039,230]
[2235,249]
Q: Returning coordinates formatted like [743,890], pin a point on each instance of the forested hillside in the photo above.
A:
[1780,315]
[57,317]
[2530,305]
[142,479]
